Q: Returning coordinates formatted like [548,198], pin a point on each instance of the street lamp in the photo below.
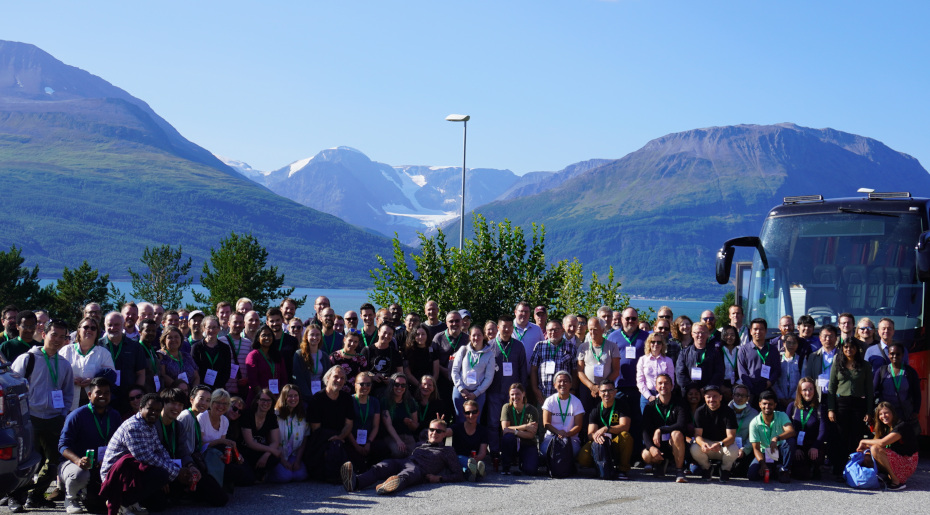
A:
[464,119]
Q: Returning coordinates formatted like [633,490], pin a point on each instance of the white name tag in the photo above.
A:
[183,377]
[630,352]
[599,370]
[739,442]
[361,437]
[696,373]
[666,437]
[233,370]
[316,386]
[119,375]
[101,451]
[58,400]
[471,378]
[766,371]
[549,367]
[770,455]
[273,386]
[508,369]
[823,381]
[157,383]
[801,438]
[210,377]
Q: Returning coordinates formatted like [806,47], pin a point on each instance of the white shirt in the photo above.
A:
[85,366]
[569,408]
[210,434]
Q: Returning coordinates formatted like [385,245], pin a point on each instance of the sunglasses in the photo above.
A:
[352,319]
[402,386]
[708,319]
[135,397]
[364,385]
[866,328]
[467,413]
[434,430]
[235,409]
[629,319]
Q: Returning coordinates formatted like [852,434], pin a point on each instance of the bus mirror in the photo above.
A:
[725,255]
[923,257]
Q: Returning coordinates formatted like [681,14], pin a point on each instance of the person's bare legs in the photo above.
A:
[881,458]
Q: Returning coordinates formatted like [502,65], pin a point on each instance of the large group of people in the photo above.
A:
[137,409]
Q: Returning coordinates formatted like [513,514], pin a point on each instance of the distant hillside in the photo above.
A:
[658,215]
[91,172]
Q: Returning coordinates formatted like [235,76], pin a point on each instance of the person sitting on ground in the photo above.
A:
[563,414]
[520,425]
[331,415]
[364,446]
[894,447]
[399,417]
[214,435]
[772,437]
[261,435]
[609,445]
[292,423]
[714,435]
[744,415]
[663,431]
[432,462]
[429,406]
[470,441]
[809,421]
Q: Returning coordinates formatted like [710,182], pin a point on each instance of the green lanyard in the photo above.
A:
[313,364]
[610,417]
[180,360]
[763,358]
[450,340]
[270,364]
[52,372]
[523,414]
[423,415]
[472,363]
[629,341]
[896,380]
[290,426]
[238,344]
[364,419]
[505,354]
[805,419]
[104,436]
[151,356]
[332,343]
[558,348]
[563,412]
[77,348]
[768,431]
[119,350]
[739,423]
[521,333]
[281,342]
[726,355]
[197,427]
[213,359]
[190,338]
[172,441]
[594,351]
[365,338]
[701,361]
[664,415]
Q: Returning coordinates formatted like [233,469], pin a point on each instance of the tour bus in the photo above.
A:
[869,256]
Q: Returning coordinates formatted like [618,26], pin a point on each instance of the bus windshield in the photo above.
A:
[831,263]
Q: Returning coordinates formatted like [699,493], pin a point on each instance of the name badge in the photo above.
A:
[630,352]
[599,370]
[177,462]
[233,370]
[739,442]
[361,437]
[508,369]
[210,377]
[157,383]
[58,400]
[771,456]
[316,386]
[101,451]
[273,386]
[119,375]
[666,437]
[471,378]
[549,367]
[697,373]
[183,377]
[766,371]
[823,381]
[801,438]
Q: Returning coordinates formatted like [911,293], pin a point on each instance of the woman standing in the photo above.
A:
[806,414]
[264,365]
[292,423]
[399,417]
[87,359]
[672,347]
[681,331]
[649,366]
[348,358]
[310,363]
[598,359]
[174,364]
[850,395]
[865,331]
[730,338]
[472,372]
[520,425]
[894,447]
[898,385]
[419,357]
[791,365]
[260,433]
[213,358]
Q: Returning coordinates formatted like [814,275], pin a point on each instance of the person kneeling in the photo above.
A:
[609,444]
[773,440]
[714,434]
[432,462]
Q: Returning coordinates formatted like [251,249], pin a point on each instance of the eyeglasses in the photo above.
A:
[402,386]
[866,328]
[264,400]
[235,409]
[89,327]
[364,385]
[435,430]
[135,397]
[473,412]
[666,317]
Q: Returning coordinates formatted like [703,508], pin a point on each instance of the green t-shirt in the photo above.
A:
[13,348]
[759,432]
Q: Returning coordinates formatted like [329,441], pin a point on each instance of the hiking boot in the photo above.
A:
[349,480]
[389,486]
[15,506]
[707,474]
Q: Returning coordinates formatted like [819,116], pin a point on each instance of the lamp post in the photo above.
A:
[464,119]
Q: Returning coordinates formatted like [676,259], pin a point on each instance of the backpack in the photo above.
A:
[560,458]
[859,476]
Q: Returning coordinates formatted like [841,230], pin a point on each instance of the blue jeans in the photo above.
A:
[643,402]
[494,403]
[786,454]
[458,401]
[527,453]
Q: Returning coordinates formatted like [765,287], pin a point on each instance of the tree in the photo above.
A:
[574,299]
[19,285]
[722,310]
[80,286]
[239,270]
[166,279]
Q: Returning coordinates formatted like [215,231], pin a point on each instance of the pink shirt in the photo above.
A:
[648,368]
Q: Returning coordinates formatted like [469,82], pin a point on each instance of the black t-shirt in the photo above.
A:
[331,414]
[433,330]
[398,413]
[598,415]
[907,445]
[262,434]
[420,360]
[463,443]
[383,361]
[715,423]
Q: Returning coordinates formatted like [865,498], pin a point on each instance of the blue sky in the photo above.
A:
[547,83]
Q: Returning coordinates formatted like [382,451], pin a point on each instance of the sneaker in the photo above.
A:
[4,501]
[896,488]
[724,476]
[38,504]
[137,509]
[784,476]
[349,480]
[680,476]
[472,470]
[481,469]
[622,476]
[72,507]
[15,506]
[707,474]
[389,486]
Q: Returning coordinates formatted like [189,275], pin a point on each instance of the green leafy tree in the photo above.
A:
[240,269]
[574,298]
[722,310]
[166,279]
[80,286]
[19,285]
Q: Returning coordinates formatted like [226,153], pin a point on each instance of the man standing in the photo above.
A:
[92,310]
[244,305]
[714,435]
[16,346]
[9,315]
[288,310]
[631,342]
[369,329]
[196,333]
[148,340]
[51,389]
[446,344]
[607,315]
[772,436]
[410,324]
[159,313]
[128,358]
[434,325]
[510,368]
[397,315]
[351,320]
[736,320]
[287,344]
[332,341]
[809,342]
[709,319]
[223,311]
[785,327]
[240,347]
[320,304]
[550,357]
[527,332]
[253,321]
[847,326]
[541,316]
[759,364]
[699,364]
[130,314]
[877,354]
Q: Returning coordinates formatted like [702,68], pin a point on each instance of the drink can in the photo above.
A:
[227,455]
[91,455]
[193,484]
[767,475]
